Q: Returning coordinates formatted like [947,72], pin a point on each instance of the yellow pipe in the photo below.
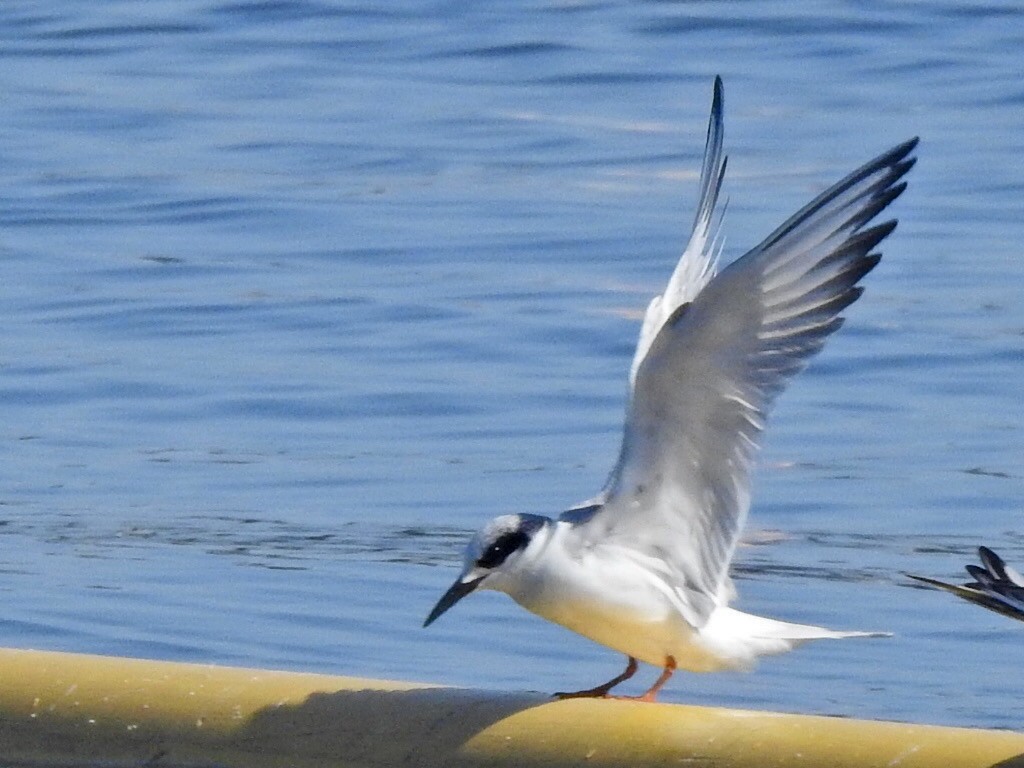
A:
[67,710]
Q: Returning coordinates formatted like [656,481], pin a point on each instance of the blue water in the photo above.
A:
[296,294]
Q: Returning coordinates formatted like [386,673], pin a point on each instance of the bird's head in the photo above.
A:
[493,551]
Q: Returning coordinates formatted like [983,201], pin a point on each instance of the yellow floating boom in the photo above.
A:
[59,709]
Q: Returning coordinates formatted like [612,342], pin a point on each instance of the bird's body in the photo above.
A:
[628,609]
[644,566]
[633,608]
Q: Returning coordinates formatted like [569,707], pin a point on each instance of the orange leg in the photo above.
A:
[666,673]
[601,691]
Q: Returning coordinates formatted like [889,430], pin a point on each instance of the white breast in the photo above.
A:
[607,596]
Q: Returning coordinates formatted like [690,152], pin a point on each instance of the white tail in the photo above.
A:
[745,636]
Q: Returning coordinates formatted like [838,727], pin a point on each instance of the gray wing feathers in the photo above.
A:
[697,264]
[681,488]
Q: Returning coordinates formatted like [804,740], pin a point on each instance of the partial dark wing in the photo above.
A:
[996,586]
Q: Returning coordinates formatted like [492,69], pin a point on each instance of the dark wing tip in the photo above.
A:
[910,144]
[981,577]
[993,563]
[717,100]
[875,234]
[897,189]
[901,151]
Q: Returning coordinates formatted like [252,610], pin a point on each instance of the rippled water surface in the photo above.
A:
[297,294]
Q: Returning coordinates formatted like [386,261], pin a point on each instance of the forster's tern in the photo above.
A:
[643,567]
[996,586]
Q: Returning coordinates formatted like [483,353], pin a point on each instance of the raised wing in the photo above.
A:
[996,586]
[697,264]
[680,492]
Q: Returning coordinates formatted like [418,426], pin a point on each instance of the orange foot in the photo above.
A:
[602,691]
[651,693]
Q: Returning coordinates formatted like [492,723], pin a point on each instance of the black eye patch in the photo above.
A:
[503,546]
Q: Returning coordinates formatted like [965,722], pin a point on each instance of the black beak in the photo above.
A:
[456,592]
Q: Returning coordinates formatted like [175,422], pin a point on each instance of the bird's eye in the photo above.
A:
[498,552]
